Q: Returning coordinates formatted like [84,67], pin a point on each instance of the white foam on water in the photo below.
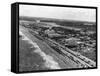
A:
[49,61]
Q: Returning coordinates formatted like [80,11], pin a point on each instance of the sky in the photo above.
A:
[68,13]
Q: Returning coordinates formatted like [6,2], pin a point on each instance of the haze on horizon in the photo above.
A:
[68,13]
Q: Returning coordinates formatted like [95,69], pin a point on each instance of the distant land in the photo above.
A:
[53,19]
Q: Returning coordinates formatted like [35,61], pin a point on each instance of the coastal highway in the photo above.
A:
[66,58]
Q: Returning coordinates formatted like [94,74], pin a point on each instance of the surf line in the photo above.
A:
[49,61]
